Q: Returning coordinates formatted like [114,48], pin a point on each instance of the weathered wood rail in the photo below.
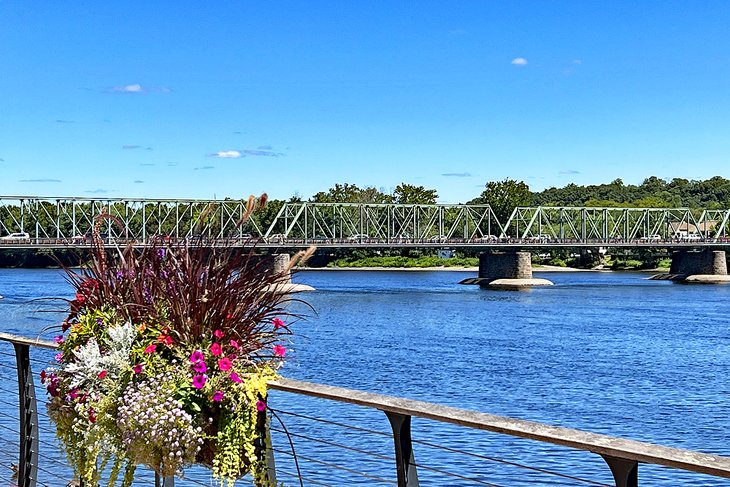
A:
[623,456]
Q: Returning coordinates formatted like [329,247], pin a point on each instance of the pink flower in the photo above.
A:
[225,364]
[235,345]
[59,357]
[279,350]
[150,348]
[218,334]
[199,381]
[216,349]
[102,374]
[260,406]
[137,368]
[196,356]
[218,396]
[58,339]
[235,378]
[278,323]
[200,367]
[229,316]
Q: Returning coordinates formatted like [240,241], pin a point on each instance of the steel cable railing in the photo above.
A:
[340,449]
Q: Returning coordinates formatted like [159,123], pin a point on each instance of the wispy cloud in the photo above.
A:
[64,121]
[99,191]
[262,153]
[137,88]
[138,181]
[457,174]
[569,171]
[129,147]
[264,147]
[171,163]
[2,160]
[41,180]
[519,61]
[204,168]
[227,154]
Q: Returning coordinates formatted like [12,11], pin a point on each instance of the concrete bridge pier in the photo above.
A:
[279,264]
[699,266]
[506,270]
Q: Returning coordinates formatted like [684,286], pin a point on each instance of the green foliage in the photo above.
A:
[351,193]
[504,197]
[626,264]
[406,262]
[414,195]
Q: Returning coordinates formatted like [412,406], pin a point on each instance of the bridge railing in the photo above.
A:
[322,442]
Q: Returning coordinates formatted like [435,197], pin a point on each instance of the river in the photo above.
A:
[611,353]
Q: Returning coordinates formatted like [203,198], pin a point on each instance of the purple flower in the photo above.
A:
[58,339]
[200,367]
[260,406]
[199,381]
[58,356]
[100,322]
[120,275]
[196,356]
[218,396]
[161,253]
[235,378]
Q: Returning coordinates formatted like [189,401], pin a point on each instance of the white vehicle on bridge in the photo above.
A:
[16,236]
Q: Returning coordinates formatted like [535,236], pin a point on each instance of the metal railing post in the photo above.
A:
[404,459]
[625,472]
[28,418]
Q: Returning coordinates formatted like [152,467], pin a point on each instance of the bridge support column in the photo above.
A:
[703,266]
[279,264]
[506,270]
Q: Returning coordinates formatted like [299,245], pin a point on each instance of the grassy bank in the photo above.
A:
[406,262]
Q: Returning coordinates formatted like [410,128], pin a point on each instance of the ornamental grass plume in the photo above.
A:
[165,359]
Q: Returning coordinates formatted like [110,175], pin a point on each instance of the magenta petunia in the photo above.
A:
[138,368]
[216,349]
[58,357]
[58,339]
[199,381]
[102,374]
[199,367]
[235,378]
[196,356]
[235,344]
[279,350]
[278,323]
[218,334]
[218,396]
[150,348]
[260,406]
[225,363]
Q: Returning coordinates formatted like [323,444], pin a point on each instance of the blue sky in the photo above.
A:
[225,99]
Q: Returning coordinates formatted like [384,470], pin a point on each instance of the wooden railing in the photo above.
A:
[623,456]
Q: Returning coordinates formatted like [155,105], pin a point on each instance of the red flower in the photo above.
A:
[278,323]
[92,416]
[102,374]
[279,350]
[138,368]
[216,349]
[150,348]
[225,364]
[43,376]
[218,334]
[166,339]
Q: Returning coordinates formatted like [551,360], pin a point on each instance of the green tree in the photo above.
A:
[351,193]
[504,197]
[414,195]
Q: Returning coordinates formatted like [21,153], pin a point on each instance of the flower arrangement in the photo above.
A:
[164,360]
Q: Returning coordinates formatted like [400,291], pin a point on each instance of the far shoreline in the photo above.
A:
[544,268]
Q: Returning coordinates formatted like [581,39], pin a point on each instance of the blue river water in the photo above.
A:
[610,353]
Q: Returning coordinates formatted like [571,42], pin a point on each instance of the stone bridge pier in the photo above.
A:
[506,270]
[701,266]
[279,264]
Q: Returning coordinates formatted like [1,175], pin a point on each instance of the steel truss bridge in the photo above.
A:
[43,222]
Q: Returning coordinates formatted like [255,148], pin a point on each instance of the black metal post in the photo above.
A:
[28,408]
[625,472]
[404,459]
[164,481]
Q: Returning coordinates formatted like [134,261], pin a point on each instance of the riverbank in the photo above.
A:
[542,268]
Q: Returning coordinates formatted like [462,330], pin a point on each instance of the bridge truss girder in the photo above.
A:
[129,218]
[384,223]
[584,224]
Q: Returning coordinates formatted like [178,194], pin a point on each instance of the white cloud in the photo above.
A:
[135,88]
[228,154]
[519,61]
